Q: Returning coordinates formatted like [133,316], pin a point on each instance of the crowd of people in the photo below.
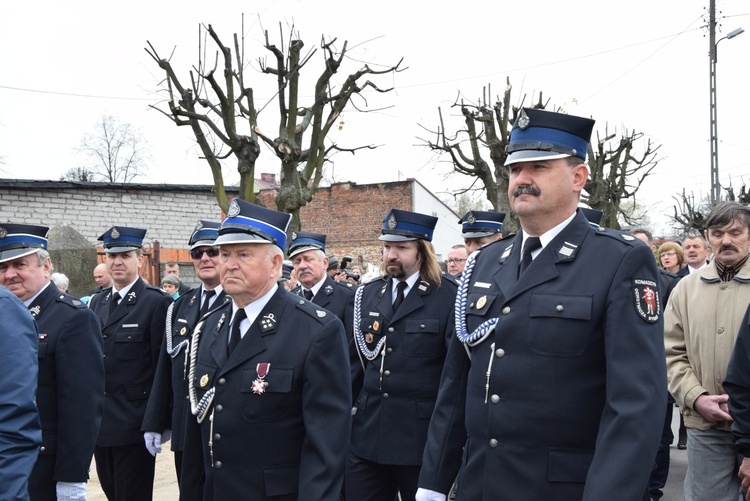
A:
[541,365]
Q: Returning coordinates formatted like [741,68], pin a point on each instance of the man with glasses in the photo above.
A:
[457,260]
[168,406]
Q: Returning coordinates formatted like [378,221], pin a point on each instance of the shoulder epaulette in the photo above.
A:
[620,236]
[315,311]
[70,301]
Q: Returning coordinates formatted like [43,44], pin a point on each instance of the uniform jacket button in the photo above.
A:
[391,329]
[499,353]
[385,395]
[217,437]
[222,381]
[387,373]
[219,408]
[506,310]
[218,465]
[559,307]
[495,399]
[389,350]
[493,443]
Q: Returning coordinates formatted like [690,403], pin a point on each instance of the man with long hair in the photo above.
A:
[403,325]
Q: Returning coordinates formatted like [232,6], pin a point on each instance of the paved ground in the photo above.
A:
[165,483]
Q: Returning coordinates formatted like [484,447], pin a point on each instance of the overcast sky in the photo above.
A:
[639,65]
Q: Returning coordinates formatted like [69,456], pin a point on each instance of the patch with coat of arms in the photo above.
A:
[646,299]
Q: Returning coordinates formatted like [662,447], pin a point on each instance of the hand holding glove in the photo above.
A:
[71,491]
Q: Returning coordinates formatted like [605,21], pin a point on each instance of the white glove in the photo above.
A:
[71,491]
[153,442]
[166,436]
[428,495]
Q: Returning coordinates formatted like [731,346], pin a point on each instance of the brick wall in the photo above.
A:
[351,216]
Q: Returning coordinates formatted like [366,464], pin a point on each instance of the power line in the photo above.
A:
[73,94]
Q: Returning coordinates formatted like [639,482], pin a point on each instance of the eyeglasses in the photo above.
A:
[455,261]
[210,252]
[670,253]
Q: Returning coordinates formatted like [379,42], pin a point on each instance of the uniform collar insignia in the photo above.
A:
[320,313]
[221,320]
[35,311]
[384,288]
[267,323]
[192,300]
[568,249]
[506,252]
[131,297]
[329,289]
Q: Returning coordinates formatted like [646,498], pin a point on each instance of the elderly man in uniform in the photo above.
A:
[403,324]
[555,380]
[480,228]
[132,316]
[268,376]
[168,405]
[20,432]
[70,392]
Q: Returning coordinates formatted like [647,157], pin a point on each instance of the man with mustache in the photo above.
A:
[403,325]
[696,250]
[554,380]
[701,322]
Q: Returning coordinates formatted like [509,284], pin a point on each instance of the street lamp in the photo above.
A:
[715,186]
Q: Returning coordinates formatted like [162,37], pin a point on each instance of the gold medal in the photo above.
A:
[481,302]
[204,380]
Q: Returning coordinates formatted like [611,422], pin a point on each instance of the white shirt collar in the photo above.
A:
[546,237]
[252,310]
[410,281]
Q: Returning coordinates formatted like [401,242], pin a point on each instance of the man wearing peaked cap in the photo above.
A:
[541,377]
[268,378]
[70,393]
[402,326]
[168,407]
[132,315]
[480,228]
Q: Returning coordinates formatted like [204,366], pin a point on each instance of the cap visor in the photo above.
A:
[240,238]
[533,156]
[119,250]
[16,253]
[395,238]
[479,234]
[203,243]
[301,249]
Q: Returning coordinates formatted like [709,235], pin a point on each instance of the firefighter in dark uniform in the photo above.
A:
[168,406]
[70,392]
[479,228]
[555,378]
[269,379]
[403,324]
[132,316]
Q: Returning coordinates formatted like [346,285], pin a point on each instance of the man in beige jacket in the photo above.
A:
[701,322]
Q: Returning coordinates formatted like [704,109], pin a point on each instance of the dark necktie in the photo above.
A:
[530,245]
[308,294]
[207,299]
[399,295]
[234,338]
[113,302]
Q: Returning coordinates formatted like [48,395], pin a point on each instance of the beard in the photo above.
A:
[398,272]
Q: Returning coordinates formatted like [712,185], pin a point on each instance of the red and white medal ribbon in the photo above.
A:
[259,385]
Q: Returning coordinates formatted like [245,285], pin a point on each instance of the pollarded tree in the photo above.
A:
[222,114]
[616,172]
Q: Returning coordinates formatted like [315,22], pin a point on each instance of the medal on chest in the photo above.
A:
[259,385]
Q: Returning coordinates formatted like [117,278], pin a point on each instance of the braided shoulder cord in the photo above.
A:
[198,408]
[481,332]
[358,334]
[173,351]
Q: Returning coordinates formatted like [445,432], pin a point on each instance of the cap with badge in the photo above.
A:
[205,233]
[120,239]
[286,270]
[546,135]
[303,241]
[402,226]
[478,224]
[248,223]
[18,240]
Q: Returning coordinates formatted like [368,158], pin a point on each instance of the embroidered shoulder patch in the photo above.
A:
[646,299]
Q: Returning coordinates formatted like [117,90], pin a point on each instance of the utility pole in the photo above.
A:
[715,186]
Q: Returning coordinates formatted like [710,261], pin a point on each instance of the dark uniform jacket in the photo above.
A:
[20,432]
[70,394]
[572,408]
[392,413]
[132,340]
[737,386]
[289,442]
[168,406]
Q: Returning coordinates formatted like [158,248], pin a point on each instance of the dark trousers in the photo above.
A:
[41,484]
[368,481]
[178,465]
[125,472]
[661,466]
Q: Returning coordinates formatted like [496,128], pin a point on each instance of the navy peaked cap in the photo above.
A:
[478,224]
[248,223]
[303,241]
[18,240]
[546,135]
[402,225]
[205,233]
[120,239]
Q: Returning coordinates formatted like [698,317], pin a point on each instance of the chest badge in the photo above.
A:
[481,302]
[183,331]
[204,380]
